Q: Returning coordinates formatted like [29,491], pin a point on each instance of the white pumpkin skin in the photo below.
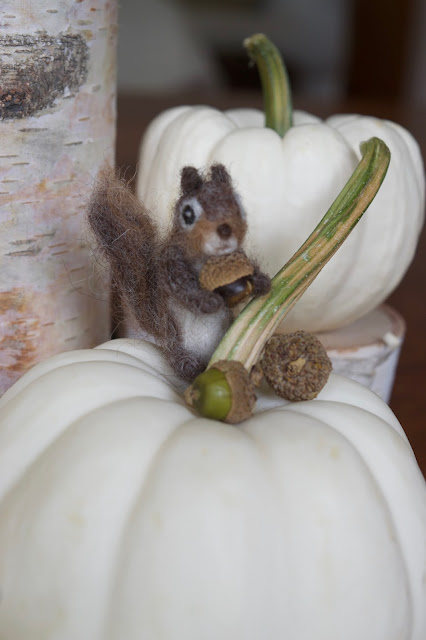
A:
[287,185]
[124,516]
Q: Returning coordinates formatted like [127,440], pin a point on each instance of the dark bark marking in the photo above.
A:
[33,129]
[27,241]
[58,244]
[25,252]
[44,68]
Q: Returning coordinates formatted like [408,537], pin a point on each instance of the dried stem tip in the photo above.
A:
[223,392]
[295,365]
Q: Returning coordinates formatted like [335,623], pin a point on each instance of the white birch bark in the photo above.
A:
[57,127]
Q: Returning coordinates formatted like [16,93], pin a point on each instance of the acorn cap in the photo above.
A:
[243,393]
[295,365]
[218,271]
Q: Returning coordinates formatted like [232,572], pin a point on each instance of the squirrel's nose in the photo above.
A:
[224,230]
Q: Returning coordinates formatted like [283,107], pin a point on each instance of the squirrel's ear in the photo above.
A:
[219,173]
[190,180]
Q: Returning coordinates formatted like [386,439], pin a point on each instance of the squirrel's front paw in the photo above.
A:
[261,283]
[210,302]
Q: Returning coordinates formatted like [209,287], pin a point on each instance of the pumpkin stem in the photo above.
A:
[247,336]
[275,83]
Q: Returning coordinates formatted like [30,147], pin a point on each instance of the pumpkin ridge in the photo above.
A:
[37,387]
[138,500]
[370,465]
[332,403]
[8,488]
[60,361]
[82,424]
[383,496]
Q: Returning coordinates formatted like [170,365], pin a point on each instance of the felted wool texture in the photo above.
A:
[155,278]
[216,196]
[127,238]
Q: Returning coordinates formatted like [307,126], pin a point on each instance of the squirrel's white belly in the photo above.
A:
[202,332]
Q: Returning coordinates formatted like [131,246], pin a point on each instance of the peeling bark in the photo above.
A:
[43,68]
[57,127]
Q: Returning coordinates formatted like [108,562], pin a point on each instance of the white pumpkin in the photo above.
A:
[123,516]
[286,184]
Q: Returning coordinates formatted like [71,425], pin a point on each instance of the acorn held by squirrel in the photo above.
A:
[179,288]
[229,275]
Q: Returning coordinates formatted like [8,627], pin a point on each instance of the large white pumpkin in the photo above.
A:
[123,516]
[286,185]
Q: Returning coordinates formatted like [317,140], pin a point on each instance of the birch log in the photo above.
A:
[57,127]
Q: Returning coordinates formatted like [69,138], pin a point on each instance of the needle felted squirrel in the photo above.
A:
[158,279]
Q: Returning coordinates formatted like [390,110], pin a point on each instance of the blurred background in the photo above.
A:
[333,48]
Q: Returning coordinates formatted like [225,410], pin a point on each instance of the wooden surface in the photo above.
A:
[380,47]
[408,399]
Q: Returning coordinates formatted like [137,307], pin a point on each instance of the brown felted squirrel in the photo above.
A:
[158,279]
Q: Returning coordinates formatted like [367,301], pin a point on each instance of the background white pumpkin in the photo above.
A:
[124,516]
[286,185]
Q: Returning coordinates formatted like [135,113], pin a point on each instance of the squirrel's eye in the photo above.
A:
[188,215]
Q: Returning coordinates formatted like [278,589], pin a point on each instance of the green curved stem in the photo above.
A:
[247,336]
[274,80]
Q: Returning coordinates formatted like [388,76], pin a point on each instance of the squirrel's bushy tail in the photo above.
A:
[128,239]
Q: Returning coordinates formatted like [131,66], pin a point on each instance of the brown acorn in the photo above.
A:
[228,275]
[295,365]
[223,392]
